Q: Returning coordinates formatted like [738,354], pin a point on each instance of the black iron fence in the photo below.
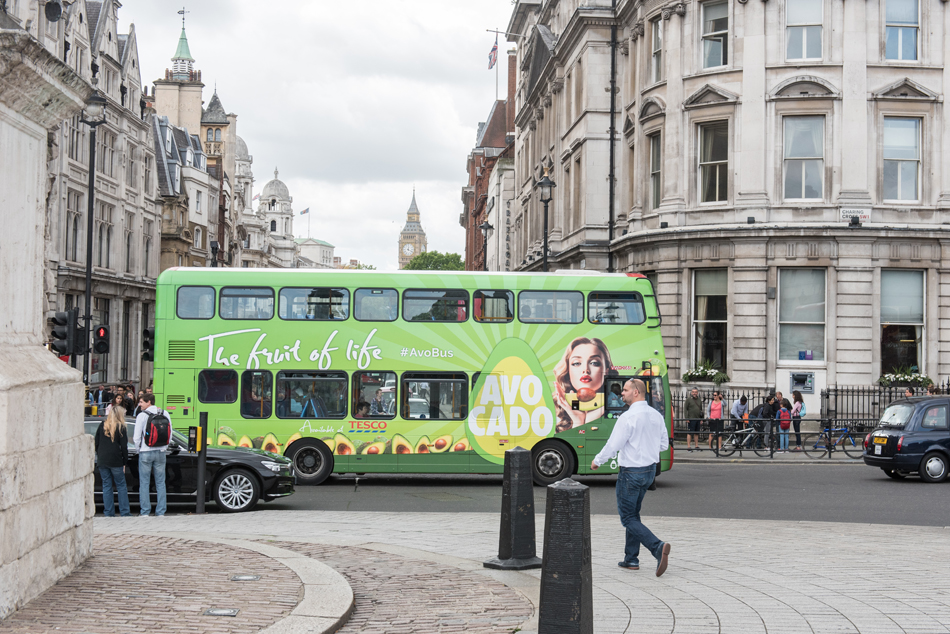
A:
[755,397]
[869,401]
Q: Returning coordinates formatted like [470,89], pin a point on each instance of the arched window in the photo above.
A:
[273,225]
[198,237]
[128,252]
[217,134]
[210,134]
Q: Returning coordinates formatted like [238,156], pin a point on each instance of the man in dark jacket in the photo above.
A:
[693,410]
[762,416]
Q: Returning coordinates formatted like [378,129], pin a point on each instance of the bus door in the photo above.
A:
[179,398]
[598,431]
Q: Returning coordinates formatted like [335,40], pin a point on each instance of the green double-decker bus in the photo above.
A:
[409,372]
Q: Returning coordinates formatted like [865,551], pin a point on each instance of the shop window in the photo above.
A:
[902,320]
[710,301]
[801,315]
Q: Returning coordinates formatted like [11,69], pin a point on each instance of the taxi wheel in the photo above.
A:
[933,468]
[893,474]
[552,461]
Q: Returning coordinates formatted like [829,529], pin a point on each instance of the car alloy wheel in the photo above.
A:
[236,491]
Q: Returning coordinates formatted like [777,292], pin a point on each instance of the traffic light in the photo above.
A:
[64,332]
[100,340]
[81,338]
[148,344]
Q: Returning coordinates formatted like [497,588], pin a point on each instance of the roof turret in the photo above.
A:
[183,52]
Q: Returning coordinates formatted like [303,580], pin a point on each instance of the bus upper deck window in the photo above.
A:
[496,307]
[615,308]
[195,302]
[319,304]
[376,304]
[550,307]
[434,305]
[247,303]
[217,386]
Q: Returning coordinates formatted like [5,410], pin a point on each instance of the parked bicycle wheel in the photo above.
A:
[729,445]
[814,445]
[765,445]
[853,447]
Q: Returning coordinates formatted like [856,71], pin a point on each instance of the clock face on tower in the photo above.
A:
[408,249]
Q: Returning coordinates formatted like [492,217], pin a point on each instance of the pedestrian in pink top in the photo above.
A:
[714,414]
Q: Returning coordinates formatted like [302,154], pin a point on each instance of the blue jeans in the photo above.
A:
[150,461]
[114,478]
[783,440]
[632,484]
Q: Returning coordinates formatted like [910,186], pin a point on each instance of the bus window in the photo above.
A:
[311,394]
[550,307]
[256,394]
[442,305]
[195,302]
[217,386]
[496,307]
[615,308]
[436,396]
[376,304]
[320,304]
[378,389]
[247,303]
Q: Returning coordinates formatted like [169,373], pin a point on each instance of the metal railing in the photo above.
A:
[868,401]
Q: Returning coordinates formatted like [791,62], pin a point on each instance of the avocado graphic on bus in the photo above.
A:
[225,441]
[399,445]
[329,442]
[462,445]
[423,445]
[343,445]
[441,444]
[270,443]
[246,442]
[372,448]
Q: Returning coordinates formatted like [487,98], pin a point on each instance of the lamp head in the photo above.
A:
[485,227]
[545,185]
[95,109]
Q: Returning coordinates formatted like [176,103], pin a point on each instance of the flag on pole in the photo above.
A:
[493,56]
[305,211]
[255,198]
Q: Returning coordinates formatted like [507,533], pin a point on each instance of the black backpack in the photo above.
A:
[158,429]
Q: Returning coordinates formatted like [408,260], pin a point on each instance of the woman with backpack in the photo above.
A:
[112,454]
[798,411]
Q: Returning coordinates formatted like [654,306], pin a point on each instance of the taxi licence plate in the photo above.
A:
[877,450]
[880,440]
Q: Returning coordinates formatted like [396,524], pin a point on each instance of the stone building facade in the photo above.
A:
[722,149]
[46,502]
[269,238]
[126,225]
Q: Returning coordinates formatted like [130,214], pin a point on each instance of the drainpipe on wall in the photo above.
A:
[613,114]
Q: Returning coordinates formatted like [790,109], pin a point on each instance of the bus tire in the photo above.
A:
[313,461]
[552,461]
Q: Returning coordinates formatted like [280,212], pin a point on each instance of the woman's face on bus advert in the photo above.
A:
[586,367]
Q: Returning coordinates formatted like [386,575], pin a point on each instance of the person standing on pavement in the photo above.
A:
[112,454]
[798,404]
[784,418]
[693,410]
[739,410]
[639,435]
[151,460]
[715,412]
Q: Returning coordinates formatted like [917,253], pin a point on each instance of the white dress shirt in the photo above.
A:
[639,435]
[138,438]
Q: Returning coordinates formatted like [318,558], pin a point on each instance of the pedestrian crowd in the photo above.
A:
[775,414]
[151,436]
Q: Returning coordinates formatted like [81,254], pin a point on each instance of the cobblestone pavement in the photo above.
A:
[400,594]
[725,576]
[157,584]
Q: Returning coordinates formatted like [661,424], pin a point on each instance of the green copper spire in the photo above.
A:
[183,51]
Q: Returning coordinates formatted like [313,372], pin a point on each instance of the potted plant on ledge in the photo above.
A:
[706,371]
[904,376]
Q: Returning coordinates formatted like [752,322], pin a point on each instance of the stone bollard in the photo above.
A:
[517,549]
[567,603]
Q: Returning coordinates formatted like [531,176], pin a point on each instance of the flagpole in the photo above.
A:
[308,225]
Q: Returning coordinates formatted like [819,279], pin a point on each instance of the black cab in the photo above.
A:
[912,437]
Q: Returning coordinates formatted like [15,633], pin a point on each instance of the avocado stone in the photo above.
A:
[423,445]
[225,441]
[329,442]
[400,445]
[462,445]
[372,448]
[441,444]
[343,445]
[270,444]
[246,442]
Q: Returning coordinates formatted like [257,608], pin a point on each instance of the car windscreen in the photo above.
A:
[897,415]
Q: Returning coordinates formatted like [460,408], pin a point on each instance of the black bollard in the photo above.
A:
[517,547]
[567,600]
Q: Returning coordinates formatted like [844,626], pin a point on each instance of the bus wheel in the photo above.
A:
[551,461]
[313,462]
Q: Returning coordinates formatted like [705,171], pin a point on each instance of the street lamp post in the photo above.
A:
[485,227]
[214,253]
[93,116]
[545,185]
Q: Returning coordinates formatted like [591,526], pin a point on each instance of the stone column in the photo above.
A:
[46,460]
[855,188]
[750,126]
[676,173]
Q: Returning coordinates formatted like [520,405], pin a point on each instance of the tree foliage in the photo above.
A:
[435,261]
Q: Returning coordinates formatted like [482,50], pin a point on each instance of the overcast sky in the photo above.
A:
[354,103]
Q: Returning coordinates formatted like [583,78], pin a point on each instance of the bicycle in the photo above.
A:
[826,442]
[747,439]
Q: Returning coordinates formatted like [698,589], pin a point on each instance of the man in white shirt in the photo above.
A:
[151,460]
[639,436]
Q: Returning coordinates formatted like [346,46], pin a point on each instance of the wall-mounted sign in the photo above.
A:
[862,214]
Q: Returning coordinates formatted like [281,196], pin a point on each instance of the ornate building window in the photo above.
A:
[710,300]
[656,166]
[77,140]
[130,167]
[901,159]
[217,134]
[656,45]
[804,154]
[198,238]
[148,175]
[803,29]
[210,134]
[273,226]
[147,246]
[129,223]
[105,153]
[714,162]
[902,20]
[73,216]
[104,236]
[902,320]
[801,315]
[715,34]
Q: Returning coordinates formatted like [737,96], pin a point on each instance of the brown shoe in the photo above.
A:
[664,560]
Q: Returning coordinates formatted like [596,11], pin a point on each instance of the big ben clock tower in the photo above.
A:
[412,240]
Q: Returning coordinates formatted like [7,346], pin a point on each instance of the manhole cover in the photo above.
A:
[222,612]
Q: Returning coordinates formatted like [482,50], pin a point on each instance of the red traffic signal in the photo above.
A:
[100,339]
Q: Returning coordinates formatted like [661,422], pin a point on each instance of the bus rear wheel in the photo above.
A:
[551,461]
[313,461]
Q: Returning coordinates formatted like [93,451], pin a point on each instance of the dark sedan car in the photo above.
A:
[236,478]
[912,437]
